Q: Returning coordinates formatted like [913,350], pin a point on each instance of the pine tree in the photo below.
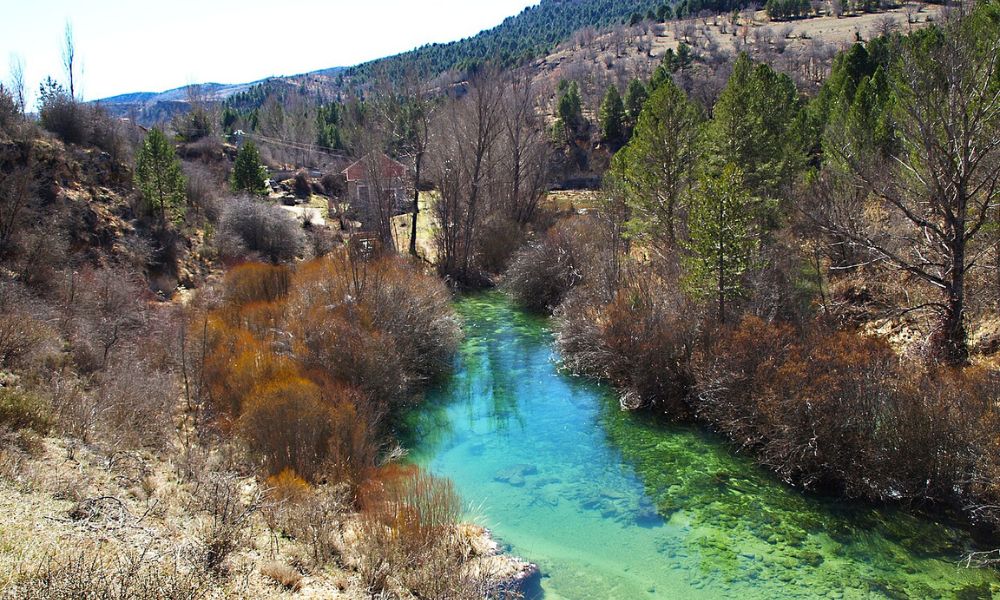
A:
[722,241]
[655,167]
[757,126]
[570,110]
[248,174]
[613,118]
[159,178]
[635,98]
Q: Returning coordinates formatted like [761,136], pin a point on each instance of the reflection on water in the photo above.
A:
[613,505]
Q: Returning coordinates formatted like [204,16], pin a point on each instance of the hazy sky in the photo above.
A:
[137,46]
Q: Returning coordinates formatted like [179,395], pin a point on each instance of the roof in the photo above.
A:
[358,171]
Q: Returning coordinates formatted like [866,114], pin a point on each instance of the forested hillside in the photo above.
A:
[519,38]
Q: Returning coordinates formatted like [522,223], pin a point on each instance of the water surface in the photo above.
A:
[614,505]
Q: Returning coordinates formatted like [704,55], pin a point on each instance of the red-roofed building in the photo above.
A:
[392,180]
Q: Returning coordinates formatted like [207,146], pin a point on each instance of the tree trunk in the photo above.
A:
[951,339]
[416,204]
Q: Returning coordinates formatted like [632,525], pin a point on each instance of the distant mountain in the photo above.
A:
[150,108]
[532,33]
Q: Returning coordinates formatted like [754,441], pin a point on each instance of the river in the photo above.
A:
[615,505]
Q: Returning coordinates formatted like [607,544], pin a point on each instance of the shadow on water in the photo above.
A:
[617,505]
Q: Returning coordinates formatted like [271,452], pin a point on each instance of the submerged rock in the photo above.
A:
[515,474]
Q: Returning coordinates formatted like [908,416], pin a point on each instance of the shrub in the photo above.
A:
[250,227]
[235,364]
[10,113]
[333,184]
[220,496]
[543,272]
[21,409]
[641,341]
[301,185]
[256,283]
[282,574]
[407,517]
[286,423]
[834,409]
[360,323]
[90,573]
[21,335]
[307,365]
[62,114]
[135,405]
[496,242]
[203,192]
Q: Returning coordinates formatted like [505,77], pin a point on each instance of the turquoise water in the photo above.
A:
[613,505]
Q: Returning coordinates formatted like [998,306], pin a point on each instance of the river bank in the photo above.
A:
[614,505]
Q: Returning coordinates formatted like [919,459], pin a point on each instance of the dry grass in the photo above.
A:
[284,575]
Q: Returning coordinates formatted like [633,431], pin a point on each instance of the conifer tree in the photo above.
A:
[613,118]
[159,178]
[570,110]
[248,174]
[722,238]
[758,126]
[655,168]
[635,97]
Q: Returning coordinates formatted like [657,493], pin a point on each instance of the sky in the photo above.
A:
[143,46]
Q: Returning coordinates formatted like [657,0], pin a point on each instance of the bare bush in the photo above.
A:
[128,575]
[203,191]
[136,405]
[220,496]
[407,518]
[254,228]
[544,271]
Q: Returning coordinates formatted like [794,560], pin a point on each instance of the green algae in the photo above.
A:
[618,505]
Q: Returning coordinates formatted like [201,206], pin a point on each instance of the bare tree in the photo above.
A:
[412,115]
[464,166]
[524,150]
[17,81]
[938,193]
[69,58]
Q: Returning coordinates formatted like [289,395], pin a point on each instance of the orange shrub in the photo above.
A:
[287,486]
[287,425]
[257,282]
[415,508]
[235,364]
[307,364]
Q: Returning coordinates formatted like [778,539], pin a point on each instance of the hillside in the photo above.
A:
[533,32]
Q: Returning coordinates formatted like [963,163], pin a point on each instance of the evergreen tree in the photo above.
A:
[757,126]
[635,98]
[655,167]
[612,118]
[570,111]
[722,241]
[248,174]
[685,57]
[159,179]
